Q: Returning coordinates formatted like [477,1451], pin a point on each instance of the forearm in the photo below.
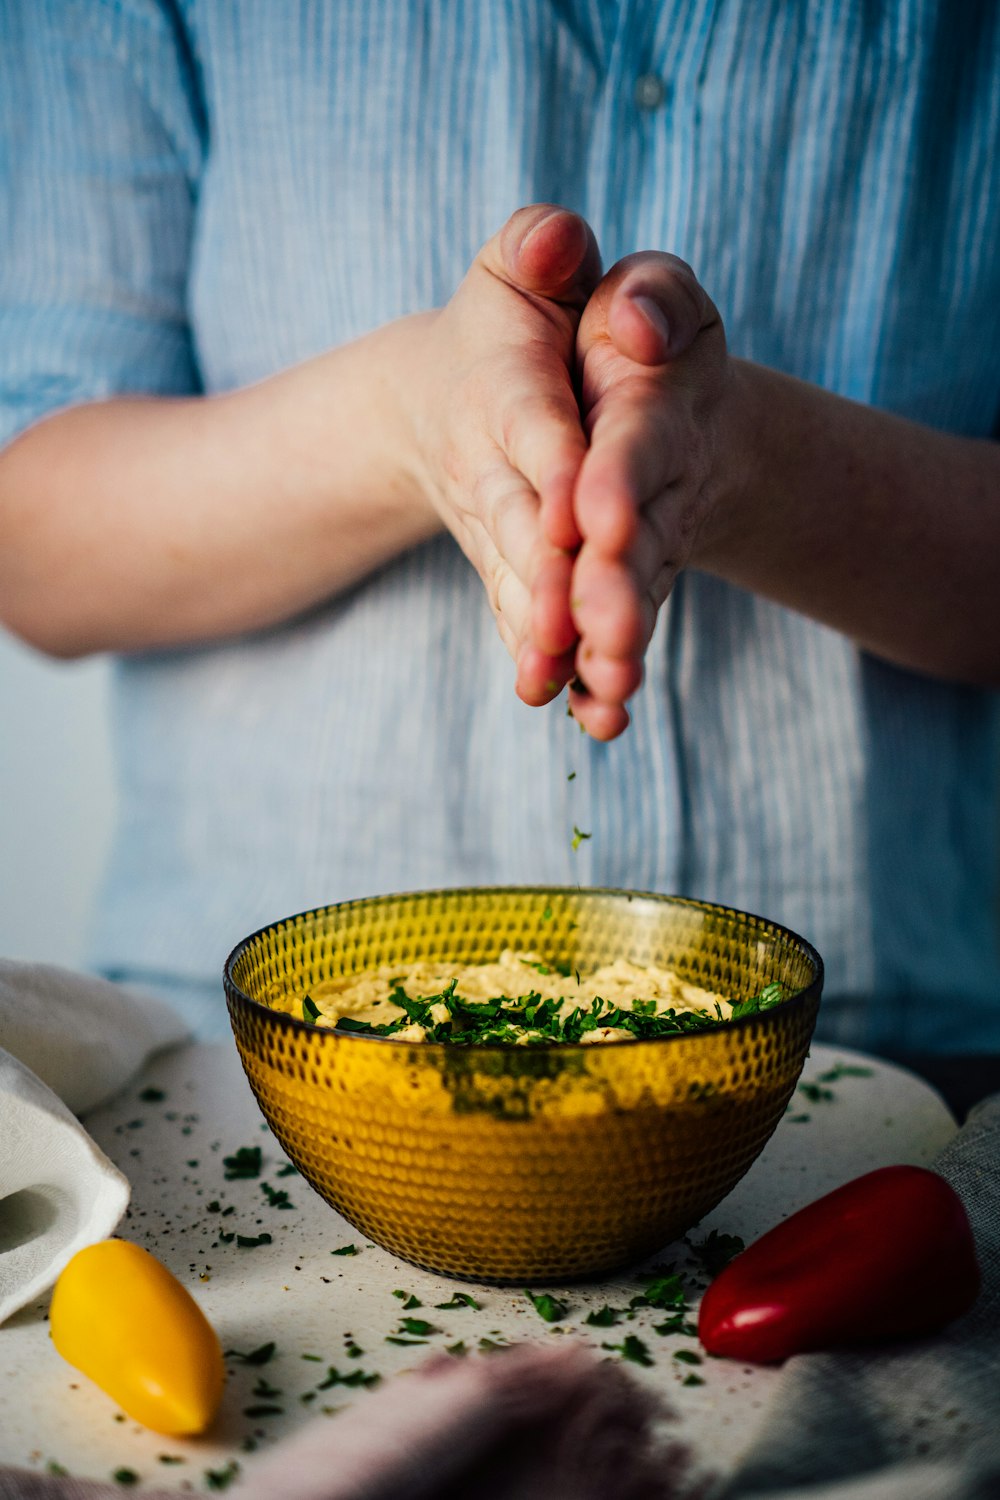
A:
[140,523]
[883,529]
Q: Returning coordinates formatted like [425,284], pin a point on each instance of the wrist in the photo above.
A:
[740,430]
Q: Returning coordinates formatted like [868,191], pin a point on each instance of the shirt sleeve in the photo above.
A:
[101,145]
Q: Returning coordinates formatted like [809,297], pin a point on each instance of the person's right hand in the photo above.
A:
[495,431]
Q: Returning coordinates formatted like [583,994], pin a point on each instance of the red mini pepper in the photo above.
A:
[888,1256]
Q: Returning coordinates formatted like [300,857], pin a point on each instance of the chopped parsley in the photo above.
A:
[578,837]
[459,1299]
[458,1349]
[346,1250]
[276,1197]
[246,1162]
[838,1071]
[549,1309]
[687,1356]
[251,1241]
[717,1250]
[151,1096]
[265,1390]
[633,1349]
[816,1093]
[264,1411]
[506,1018]
[604,1317]
[354,1378]
[676,1323]
[664,1292]
[125,1476]
[417,1327]
[408,1300]
[221,1479]
[261,1356]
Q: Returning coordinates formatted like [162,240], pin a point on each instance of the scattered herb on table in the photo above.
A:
[171,1458]
[604,1317]
[263,1411]
[407,1299]
[152,1095]
[550,1309]
[459,1299]
[125,1476]
[716,1250]
[353,1378]
[664,1292]
[633,1349]
[418,1327]
[353,1350]
[578,837]
[276,1197]
[246,1162]
[834,1074]
[687,1356]
[345,1250]
[261,1356]
[458,1349]
[816,1093]
[251,1241]
[487,1346]
[676,1323]
[56,1469]
[265,1390]
[288,1170]
[221,1479]
[692,1379]
[395,1338]
[316,1358]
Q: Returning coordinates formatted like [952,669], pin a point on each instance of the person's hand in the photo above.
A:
[654,384]
[495,429]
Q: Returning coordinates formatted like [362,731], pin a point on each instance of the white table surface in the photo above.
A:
[309,1301]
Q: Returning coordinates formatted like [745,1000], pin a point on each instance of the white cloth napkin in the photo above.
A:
[67,1043]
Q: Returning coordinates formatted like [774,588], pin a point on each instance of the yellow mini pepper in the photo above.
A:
[122,1319]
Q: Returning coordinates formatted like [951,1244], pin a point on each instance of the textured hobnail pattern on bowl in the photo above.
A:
[523,1163]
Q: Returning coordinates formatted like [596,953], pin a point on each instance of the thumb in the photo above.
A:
[546,251]
[652,308]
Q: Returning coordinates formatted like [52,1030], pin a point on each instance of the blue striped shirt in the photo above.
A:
[197,193]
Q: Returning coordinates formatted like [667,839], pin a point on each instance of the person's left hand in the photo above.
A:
[656,396]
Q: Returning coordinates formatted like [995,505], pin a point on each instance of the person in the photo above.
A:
[312,382]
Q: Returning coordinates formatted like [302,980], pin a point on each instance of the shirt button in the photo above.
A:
[650,91]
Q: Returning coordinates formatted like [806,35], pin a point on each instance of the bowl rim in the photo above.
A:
[238,996]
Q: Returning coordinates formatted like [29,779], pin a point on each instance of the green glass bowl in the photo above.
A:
[511,1164]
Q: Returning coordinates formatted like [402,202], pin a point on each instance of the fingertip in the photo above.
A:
[640,329]
[602,721]
[550,250]
[541,677]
